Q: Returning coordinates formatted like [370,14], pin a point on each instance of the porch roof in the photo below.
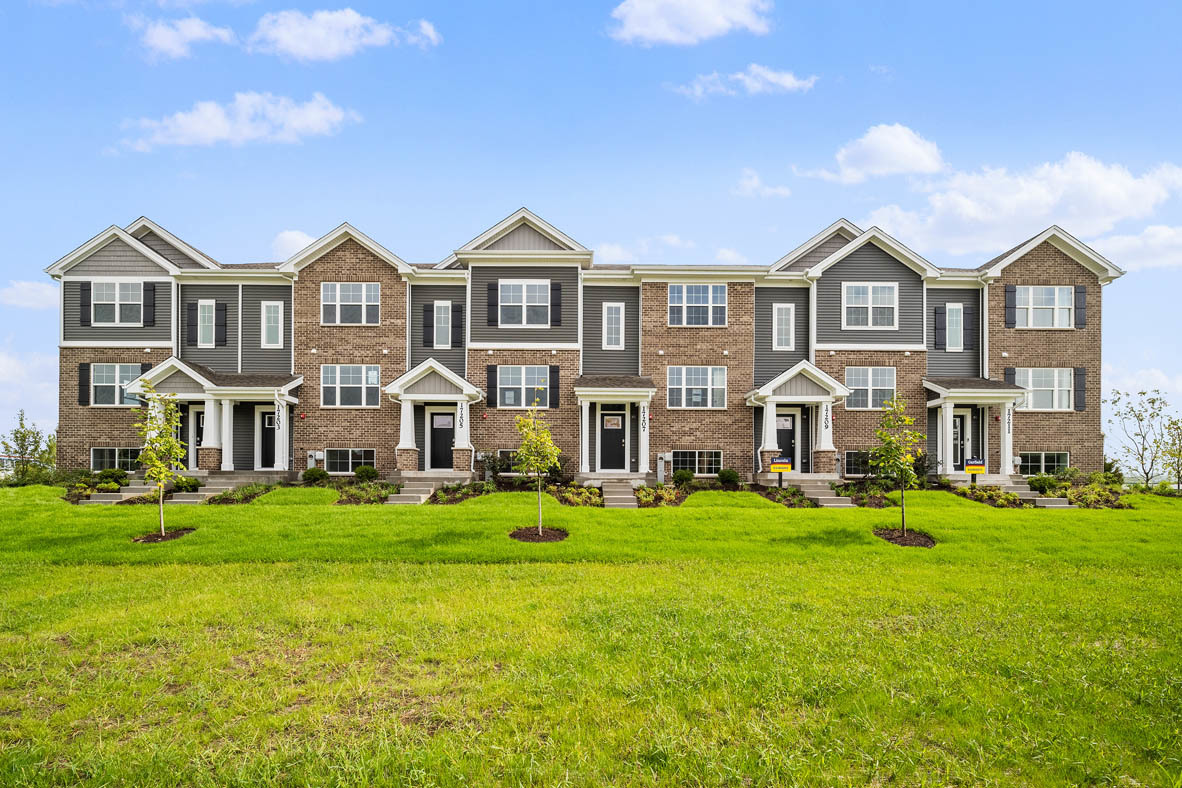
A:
[431,380]
[209,382]
[614,382]
[970,390]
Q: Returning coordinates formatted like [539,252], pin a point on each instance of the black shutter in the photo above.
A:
[491,392]
[84,383]
[191,325]
[149,303]
[145,366]
[1081,306]
[1081,388]
[555,304]
[1011,375]
[970,328]
[941,327]
[428,325]
[457,324]
[219,323]
[1011,306]
[492,303]
[553,384]
[84,304]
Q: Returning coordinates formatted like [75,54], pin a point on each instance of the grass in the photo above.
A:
[298,496]
[728,641]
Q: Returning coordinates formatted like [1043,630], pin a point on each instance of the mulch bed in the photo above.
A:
[154,538]
[911,539]
[530,534]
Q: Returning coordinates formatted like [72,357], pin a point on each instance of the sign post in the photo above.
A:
[781,465]
[973,467]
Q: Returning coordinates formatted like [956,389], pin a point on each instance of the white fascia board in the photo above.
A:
[432,276]
[841,225]
[915,348]
[398,386]
[333,239]
[613,396]
[964,281]
[163,370]
[116,343]
[224,276]
[808,370]
[1065,242]
[97,242]
[523,345]
[507,257]
[513,221]
[893,247]
[189,251]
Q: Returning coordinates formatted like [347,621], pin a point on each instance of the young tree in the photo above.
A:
[537,453]
[894,456]
[26,443]
[162,451]
[1172,450]
[1139,423]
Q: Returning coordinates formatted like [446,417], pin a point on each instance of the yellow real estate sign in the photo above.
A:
[781,465]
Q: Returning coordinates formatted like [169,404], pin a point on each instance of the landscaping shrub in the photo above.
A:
[116,475]
[316,476]
[728,477]
[365,473]
[788,496]
[244,494]
[1106,478]
[367,492]
[1069,474]
[186,484]
[871,492]
[1096,496]
[1046,484]
[495,465]
[1166,488]
[575,495]
[683,477]
[993,496]
[660,495]
[107,487]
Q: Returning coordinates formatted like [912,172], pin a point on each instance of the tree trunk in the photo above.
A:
[903,506]
[160,500]
[539,506]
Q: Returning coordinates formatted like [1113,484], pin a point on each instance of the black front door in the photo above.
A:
[786,437]
[267,441]
[958,439]
[611,442]
[443,436]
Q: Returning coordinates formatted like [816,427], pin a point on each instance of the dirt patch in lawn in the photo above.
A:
[910,539]
[530,534]
[167,537]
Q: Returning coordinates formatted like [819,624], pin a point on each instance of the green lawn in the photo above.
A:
[730,641]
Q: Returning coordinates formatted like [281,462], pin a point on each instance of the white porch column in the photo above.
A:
[825,427]
[769,442]
[642,421]
[227,435]
[983,452]
[946,438]
[406,425]
[281,432]
[1007,439]
[584,429]
[463,429]
[211,436]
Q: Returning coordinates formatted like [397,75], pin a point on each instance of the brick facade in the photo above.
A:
[81,427]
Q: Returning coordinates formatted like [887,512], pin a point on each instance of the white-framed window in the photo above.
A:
[206,309]
[701,462]
[272,329]
[870,306]
[857,463]
[783,326]
[441,314]
[1046,388]
[697,305]
[523,386]
[350,386]
[1045,306]
[524,303]
[116,304]
[1032,462]
[870,387]
[696,387]
[350,303]
[613,326]
[108,384]
[348,460]
[954,327]
[104,457]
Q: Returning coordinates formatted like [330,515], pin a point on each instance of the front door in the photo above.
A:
[611,442]
[959,433]
[443,437]
[786,437]
[196,431]
[267,440]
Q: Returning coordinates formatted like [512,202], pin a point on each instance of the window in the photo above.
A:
[954,327]
[524,302]
[125,459]
[1044,307]
[700,462]
[1048,389]
[272,324]
[350,303]
[441,315]
[869,305]
[205,316]
[696,387]
[349,386]
[697,305]
[613,326]
[117,304]
[857,463]
[109,382]
[521,387]
[347,460]
[869,387]
[783,326]
[1032,462]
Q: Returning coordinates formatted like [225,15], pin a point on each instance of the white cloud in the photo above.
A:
[729,256]
[288,242]
[705,85]
[675,241]
[30,295]
[173,38]
[1145,379]
[884,150]
[425,36]
[331,35]
[653,247]
[751,185]
[687,21]
[615,253]
[30,383]
[1157,246]
[251,117]
[756,79]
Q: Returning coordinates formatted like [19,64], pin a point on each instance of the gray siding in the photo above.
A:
[74,331]
[220,359]
[454,358]
[168,251]
[799,385]
[244,436]
[768,362]
[179,383]
[968,361]
[596,360]
[432,383]
[481,275]
[819,252]
[524,238]
[255,358]
[421,435]
[116,259]
[870,264]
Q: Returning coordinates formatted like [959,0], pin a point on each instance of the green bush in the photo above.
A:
[116,475]
[367,492]
[1165,488]
[728,477]
[1044,483]
[573,495]
[365,473]
[107,487]
[1069,475]
[683,477]
[495,464]
[661,495]
[316,476]
[186,484]
[1095,496]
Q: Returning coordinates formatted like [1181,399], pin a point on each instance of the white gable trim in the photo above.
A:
[99,241]
[809,370]
[144,223]
[1069,245]
[516,219]
[840,226]
[397,387]
[888,244]
[163,370]
[335,238]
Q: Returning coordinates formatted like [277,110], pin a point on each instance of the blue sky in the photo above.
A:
[657,131]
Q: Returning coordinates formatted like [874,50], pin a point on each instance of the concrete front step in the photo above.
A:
[1053,503]
[416,491]
[831,501]
[413,499]
[618,495]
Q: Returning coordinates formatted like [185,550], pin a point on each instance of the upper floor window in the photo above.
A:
[349,386]
[523,387]
[1044,307]
[870,387]
[272,324]
[870,305]
[954,327]
[441,320]
[350,303]
[206,309]
[613,326]
[524,302]
[109,384]
[696,387]
[117,304]
[1047,389]
[783,326]
[697,305]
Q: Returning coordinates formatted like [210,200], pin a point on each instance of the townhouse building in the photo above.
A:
[347,355]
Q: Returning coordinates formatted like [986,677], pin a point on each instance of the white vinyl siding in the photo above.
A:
[272,328]
[108,384]
[1047,389]
[783,326]
[524,303]
[696,387]
[697,305]
[1044,307]
[117,304]
[350,386]
[350,303]
[870,387]
[522,387]
[613,326]
[870,306]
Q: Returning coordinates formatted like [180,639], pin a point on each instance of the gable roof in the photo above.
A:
[885,242]
[400,385]
[841,228]
[519,226]
[803,368]
[335,238]
[1064,242]
[196,255]
[99,241]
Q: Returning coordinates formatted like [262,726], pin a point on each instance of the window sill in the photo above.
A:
[115,325]
[349,325]
[870,328]
[1046,410]
[1043,328]
[688,407]
[682,325]
[271,347]
[128,407]
[350,407]
[531,326]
